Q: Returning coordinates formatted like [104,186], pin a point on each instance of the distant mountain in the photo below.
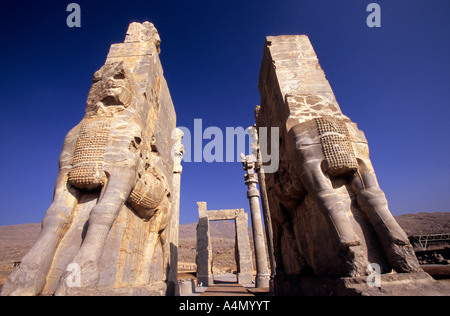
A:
[413,224]
[425,223]
[217,229]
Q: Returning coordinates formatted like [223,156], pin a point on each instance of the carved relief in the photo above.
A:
[336,145]
[111,169]
[329,215]
[89,157]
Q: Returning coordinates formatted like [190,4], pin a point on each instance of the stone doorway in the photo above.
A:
[204,257]
[223,243]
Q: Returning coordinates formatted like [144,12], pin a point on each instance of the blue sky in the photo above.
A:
[393,81]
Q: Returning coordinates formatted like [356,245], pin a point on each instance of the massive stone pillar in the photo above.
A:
[331,221]
[243,251]
[265,204]
[204,248]
[112,226]
[177,155]
[251,180]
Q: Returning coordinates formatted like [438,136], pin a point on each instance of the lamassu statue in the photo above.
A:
[330,218]
[113,190]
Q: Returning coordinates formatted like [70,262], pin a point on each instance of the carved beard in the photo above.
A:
[89,157]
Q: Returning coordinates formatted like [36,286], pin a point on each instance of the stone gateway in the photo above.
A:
[204,248]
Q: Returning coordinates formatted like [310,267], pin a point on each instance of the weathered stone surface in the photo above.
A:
[203,259]
[251,180]
[112,226]
[329,216]
[398,284]
[204,248]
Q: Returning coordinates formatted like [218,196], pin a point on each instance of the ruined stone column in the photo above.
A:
[177,155]
[264,200]
[251,179]
[244,255]
[204,249]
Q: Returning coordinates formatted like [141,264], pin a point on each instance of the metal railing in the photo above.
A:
[424,240]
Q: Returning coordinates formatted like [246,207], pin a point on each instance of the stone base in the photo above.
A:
[401,284]
[244,278]
[157,289]
[186,286]
[205,280]
[262,280]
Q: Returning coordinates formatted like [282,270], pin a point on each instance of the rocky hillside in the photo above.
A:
[425,223]
[15,241]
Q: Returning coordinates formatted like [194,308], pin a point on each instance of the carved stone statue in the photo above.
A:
[114,185]
[329,215]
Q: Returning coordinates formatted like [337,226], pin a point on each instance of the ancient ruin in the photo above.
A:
[251,180]
[330,219]
[112,228]
[204,248]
